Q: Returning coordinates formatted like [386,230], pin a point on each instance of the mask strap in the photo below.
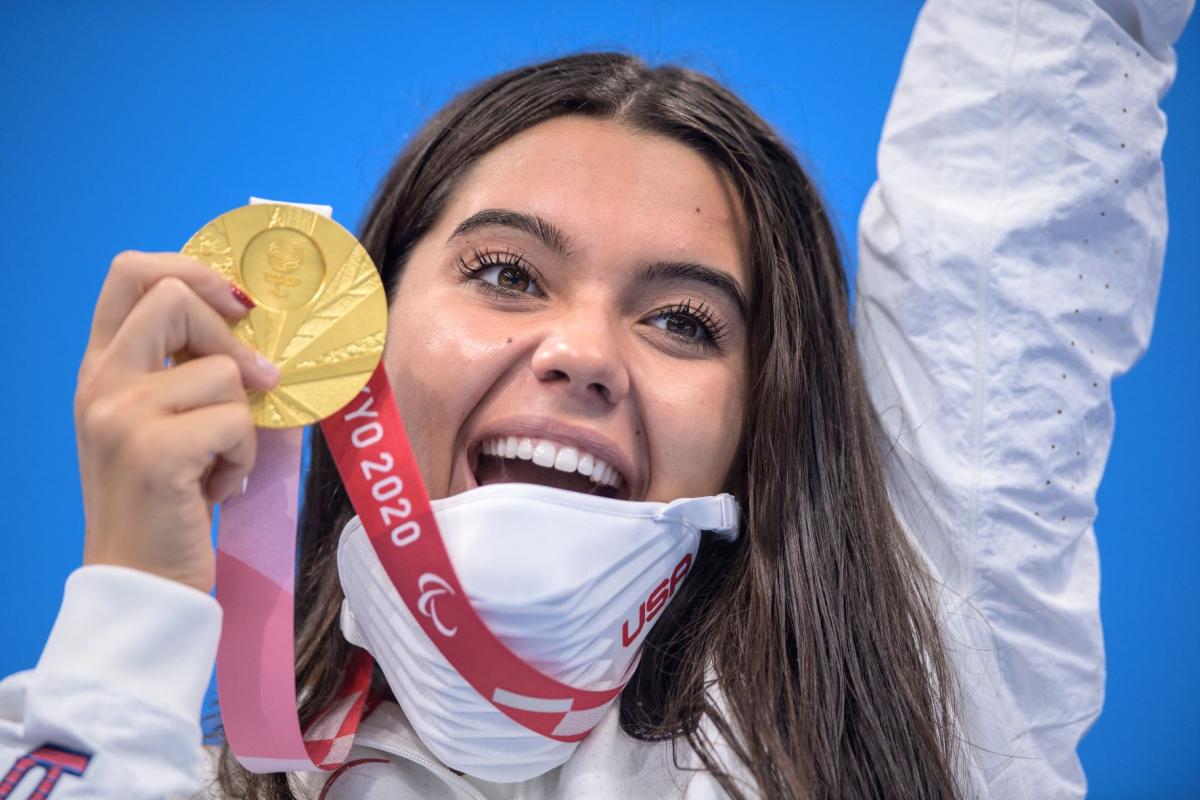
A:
[717,514]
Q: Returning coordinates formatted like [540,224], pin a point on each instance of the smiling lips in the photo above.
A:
[547,455]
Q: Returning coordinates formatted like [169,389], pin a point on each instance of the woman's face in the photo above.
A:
[580,300]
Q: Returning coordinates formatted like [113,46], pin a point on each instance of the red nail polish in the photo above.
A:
[241,296]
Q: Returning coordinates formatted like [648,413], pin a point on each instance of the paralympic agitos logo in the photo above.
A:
[656,601]
[431,586]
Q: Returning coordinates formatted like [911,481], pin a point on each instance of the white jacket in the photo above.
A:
[1010,261]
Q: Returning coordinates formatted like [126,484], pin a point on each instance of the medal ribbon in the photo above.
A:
[255,585]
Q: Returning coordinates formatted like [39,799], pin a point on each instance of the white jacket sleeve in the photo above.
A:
[1010,260]
[112,709]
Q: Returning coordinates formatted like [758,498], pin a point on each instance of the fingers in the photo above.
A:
[212,380]
[217,441]
[133,274]
[116,415]
[157,446]
[171,317]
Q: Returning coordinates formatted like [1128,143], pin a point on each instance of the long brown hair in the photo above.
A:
[816,629]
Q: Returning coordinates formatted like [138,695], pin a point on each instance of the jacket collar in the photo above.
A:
[608,763]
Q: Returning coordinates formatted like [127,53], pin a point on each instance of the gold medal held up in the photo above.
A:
[321,311]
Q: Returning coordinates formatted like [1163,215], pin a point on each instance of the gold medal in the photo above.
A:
[321,311]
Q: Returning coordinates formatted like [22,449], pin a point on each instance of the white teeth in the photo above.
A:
[546,453]
[543,454]
[566,460]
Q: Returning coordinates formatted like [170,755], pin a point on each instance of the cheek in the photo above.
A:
[695,426]
[441,359]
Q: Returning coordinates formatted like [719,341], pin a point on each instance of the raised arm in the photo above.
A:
[1010,260]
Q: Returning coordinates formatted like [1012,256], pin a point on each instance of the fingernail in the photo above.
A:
[245,482]
[266,366]
[241,296]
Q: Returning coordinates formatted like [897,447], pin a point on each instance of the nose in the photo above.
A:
[581,353]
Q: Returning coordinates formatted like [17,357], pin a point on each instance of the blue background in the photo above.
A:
[128,127]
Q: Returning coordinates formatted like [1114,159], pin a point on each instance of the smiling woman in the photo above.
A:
[564,298]
[634,277]
[616,304]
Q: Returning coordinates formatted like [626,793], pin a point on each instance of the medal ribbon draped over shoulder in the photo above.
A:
[322,316]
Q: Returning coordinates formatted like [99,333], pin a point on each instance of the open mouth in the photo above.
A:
[523,459]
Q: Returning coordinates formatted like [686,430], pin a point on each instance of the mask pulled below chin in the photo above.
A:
[571,583]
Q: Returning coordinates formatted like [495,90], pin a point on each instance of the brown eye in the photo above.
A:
[695,326]
[513,278]
[504,278]
[681,325]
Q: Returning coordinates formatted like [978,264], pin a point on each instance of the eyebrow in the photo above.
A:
[546,232]
[555,239]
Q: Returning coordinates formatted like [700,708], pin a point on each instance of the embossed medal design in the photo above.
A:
[321,312]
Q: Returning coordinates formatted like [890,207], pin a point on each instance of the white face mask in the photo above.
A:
[571,583]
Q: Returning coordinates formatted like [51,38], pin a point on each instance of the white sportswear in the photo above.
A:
[1010,260]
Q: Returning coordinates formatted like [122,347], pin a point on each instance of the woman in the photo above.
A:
[531,240]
